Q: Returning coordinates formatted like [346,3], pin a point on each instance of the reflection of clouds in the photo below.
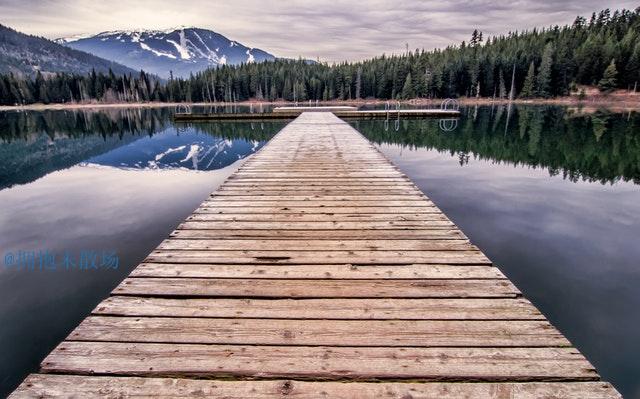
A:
[92,202]
[333,31]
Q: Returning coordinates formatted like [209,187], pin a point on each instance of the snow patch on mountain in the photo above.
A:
[156,52]
[182,50]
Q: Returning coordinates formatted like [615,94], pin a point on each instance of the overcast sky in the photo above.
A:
[335,31]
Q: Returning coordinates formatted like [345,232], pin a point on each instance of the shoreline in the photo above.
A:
[614,102]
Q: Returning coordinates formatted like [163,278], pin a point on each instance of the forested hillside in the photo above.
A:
[547,62]
[603,50]
[24,55]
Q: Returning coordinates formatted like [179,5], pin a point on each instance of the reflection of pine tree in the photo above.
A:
[463,158]
[599,123]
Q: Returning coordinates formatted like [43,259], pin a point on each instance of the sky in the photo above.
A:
[332,31]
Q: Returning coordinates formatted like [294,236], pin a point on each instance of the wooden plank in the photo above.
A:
[345,308]
[335,225]
[301,217]
[305,288]
[222,203]
[426,364]
[362,210]
[325,245]
[317,271]
[362,193]
[312,197]
[327,182]
[58,386]
[469,257]
[366,333]
[318,174]
[423,234]
[319,257]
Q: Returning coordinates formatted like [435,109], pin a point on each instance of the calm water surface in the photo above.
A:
[551,195]
[553,198]
[73,182]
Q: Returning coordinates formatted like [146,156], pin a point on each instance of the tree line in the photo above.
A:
[603,50]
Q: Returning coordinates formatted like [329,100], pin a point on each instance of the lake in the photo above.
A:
[550,194]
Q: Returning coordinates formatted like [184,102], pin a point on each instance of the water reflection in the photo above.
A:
[115,179]
[33,144]
[552,197]
[600,146]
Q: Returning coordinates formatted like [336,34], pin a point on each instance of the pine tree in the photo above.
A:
[608,83]
[287,90]
[474,38]
[528,90]
[632,69]
[502,89]
[407,89]
[544,73]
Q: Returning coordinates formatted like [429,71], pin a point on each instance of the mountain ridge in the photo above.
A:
[175,51]
[25,54]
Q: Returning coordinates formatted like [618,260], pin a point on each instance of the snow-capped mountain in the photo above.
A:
[182,50]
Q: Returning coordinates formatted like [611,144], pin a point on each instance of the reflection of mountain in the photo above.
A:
[168,150]
[33,144]
[26,161]
[598,147]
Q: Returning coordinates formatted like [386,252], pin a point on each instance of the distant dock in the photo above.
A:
[318,269]
[345,112]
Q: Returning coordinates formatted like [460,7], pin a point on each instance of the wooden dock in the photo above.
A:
[342,112]
[317,270]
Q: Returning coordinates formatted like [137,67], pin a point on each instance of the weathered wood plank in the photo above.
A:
[325,245]
[306,288]
[302,187]
[222,203]
[315,197]
[336,225]
[345,308]
[422,234]
[319,257]
[60,386]
[326,217]
[361,210]
[460,257]
[317,271]
[427,364]
[364,194]
[366,333]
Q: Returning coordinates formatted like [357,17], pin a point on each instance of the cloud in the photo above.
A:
[340,30]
